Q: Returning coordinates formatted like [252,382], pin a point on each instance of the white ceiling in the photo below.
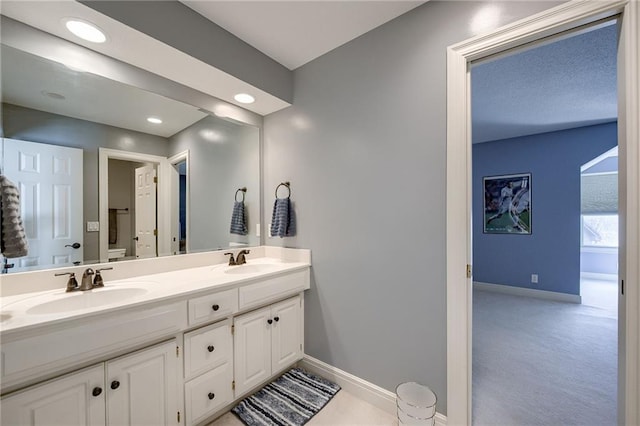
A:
[26,80]
[296,32]
[565,84]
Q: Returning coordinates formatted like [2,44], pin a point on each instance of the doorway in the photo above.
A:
[566,16]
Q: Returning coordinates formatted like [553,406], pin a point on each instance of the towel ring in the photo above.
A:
[243,190]
[285,184]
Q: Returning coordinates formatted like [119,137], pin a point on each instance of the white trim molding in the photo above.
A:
[164,196]
[175,194]
[367,391]
[527,292]
[598,276]
[564,17]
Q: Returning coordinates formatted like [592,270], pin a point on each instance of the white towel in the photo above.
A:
[13,241]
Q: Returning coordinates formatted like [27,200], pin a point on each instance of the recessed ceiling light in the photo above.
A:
[85,30]
[154,120]
[244,98]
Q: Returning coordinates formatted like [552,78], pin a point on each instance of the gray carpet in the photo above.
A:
[537,362]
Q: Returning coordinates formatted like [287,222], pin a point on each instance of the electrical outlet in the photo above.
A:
[534,278]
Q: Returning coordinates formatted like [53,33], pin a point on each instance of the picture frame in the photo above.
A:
[507,204]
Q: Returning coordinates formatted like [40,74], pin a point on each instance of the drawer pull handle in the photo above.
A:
[270,321]
[115,385]
[276,319]
[210,348]
[211,395]
[96,391]
[215,307]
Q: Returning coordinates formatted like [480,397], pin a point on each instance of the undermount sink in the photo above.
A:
[255,268]
[85,300]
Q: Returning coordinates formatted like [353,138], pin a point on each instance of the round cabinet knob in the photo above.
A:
[276,319]
[96,391]
[211,395]
[115,385]
[210,348]
[270,321]
[215,307]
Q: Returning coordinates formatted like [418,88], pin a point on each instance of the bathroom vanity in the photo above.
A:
[170,348]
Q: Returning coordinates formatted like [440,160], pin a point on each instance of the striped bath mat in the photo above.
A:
[291,400]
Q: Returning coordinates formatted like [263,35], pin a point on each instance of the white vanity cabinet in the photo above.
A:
[77,399]
[140,388]
[208,369]
[266,341]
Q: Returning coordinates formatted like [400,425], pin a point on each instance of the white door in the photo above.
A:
[50,180]
[286,334]
[142,388]
[77,399]
[252,349]
[146,231]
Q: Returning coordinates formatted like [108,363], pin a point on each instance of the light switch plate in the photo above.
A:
[93,226]
[257,229]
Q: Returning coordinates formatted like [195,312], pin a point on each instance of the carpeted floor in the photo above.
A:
[538,362]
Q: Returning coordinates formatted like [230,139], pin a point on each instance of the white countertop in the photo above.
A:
[19,313]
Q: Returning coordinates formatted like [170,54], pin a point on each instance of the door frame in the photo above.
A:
[164,196]
[459,185]
[175,193]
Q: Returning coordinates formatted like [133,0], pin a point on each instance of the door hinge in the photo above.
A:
[233,385]
[622,287]
[233,328]
[155,179]
[155,232]
[468,271]
[177,351]
[178,416]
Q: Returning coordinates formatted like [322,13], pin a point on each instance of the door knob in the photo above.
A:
[74,245]
[215,307]
[115,385]
[270,321]
[135,238]
[210,348]
[276,319]
[211,395]
[96,391]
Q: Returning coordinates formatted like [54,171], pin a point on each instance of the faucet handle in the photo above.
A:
[72,283]
[232,261]
[97,280]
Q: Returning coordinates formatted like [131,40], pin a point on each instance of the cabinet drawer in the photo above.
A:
[273,289]
[208,393]
[213,306]
[207,348]
[38,354]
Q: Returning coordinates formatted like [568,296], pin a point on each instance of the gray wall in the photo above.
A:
[364,146]
[224,156]
[38,126]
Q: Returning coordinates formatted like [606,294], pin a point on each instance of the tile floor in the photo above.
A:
[343,410]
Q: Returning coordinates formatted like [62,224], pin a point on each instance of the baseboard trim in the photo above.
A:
[528,292]
[598,276]
[367,391]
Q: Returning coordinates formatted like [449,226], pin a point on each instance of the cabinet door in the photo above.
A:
[252,349]
[142,388]
[286,334]
[66,401]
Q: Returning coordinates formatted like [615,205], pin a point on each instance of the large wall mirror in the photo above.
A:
[101,179]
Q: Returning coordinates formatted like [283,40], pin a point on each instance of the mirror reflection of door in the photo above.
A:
[179,201]
[146,206]
[49,179]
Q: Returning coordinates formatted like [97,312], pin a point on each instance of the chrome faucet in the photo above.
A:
[240,258]
[87,283]
[97,280]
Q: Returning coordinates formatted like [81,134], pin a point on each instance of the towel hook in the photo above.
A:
[243,190]
[285,184]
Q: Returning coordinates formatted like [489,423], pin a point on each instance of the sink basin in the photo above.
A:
[85,300]
[251,268]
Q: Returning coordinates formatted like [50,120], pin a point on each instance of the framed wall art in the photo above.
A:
[507,204]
